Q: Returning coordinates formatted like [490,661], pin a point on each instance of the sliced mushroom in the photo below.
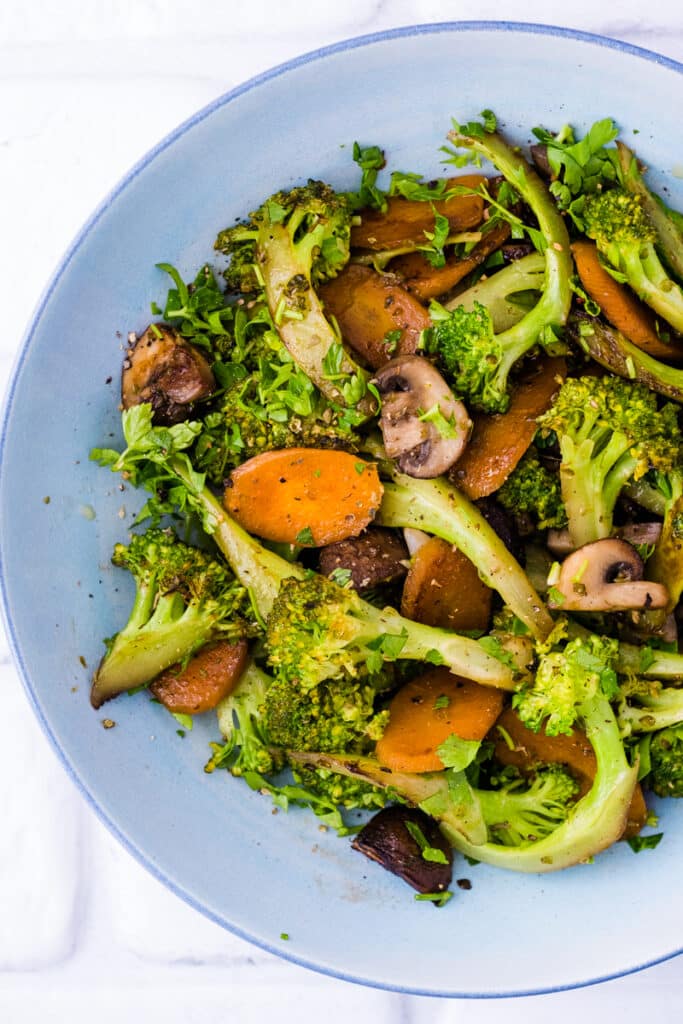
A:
[375,557]
[163,369]
[425,428]
[606,576]
[395,838]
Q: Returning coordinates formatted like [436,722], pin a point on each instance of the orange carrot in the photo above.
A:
[427,282]
[206,679]
[443,588]
[304,496]
[621,307]
[498,442]
[428,710]
[406,221]
[376,316]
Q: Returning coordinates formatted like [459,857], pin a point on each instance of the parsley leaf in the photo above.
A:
[429,853]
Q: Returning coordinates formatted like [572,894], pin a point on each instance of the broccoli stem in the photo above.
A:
[259,570]
[553,306]
[441,509]
[591,485]
[494,292]
[594,822]
[308,337]
[616,353]
[669,237]
[650,281]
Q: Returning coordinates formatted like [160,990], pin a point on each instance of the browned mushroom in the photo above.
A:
[606,575]
[560,542]
[375,557]
[398,838]
[425,428]
[163,369]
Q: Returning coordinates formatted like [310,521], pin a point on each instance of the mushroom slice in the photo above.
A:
[606,576]
[425,427]
[398,838]
[163,369]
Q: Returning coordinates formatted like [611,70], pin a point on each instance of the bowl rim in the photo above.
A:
[143,858]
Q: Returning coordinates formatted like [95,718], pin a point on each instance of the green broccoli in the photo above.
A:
[249,422]
[184,598]
[610,432]
[438,508]
[334,715]
[669,235]
[608,346]
[565,680]
[519,811]
[339,790]
[475,823]
[247,747]
[623,233]
[293,242]
[477,359]
[647,706]
[533,490]
[666,762]
[319,631]
[500,293]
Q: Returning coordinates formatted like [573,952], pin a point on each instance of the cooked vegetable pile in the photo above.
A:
[426,438]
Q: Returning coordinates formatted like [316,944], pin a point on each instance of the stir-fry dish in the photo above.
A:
[414,522]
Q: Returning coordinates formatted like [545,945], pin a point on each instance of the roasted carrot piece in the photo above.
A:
[370,308]
[621,307]
[426,282]
[304,496]
[428,710]
[516,745]
[498,442]
[406,221]
[206,679]
[443,588]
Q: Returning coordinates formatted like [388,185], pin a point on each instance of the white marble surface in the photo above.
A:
[85,89]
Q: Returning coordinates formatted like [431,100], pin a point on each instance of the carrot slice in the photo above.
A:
[427,282]
[443,589]
[206,679]
[574,751]
[622,307]
[370,308]
[498,442]
[304,496]
[428,710]
[406,221]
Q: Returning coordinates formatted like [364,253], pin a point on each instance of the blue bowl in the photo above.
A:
[211,840]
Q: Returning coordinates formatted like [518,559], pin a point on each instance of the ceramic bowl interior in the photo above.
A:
[213,841]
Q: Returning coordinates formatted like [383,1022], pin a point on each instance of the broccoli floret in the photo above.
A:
[336,715]
[519,811]
[247,747]
[565,680]
[624,234]
[342,791]
[244,426]
[478,359]
[184,598]
[438,508]
[646,705]
[319,631]
[666,762]
[610,432]
[532,490]
[293,242]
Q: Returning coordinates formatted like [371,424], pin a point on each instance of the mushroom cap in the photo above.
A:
[607,575]
[425,427]
[165,370]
